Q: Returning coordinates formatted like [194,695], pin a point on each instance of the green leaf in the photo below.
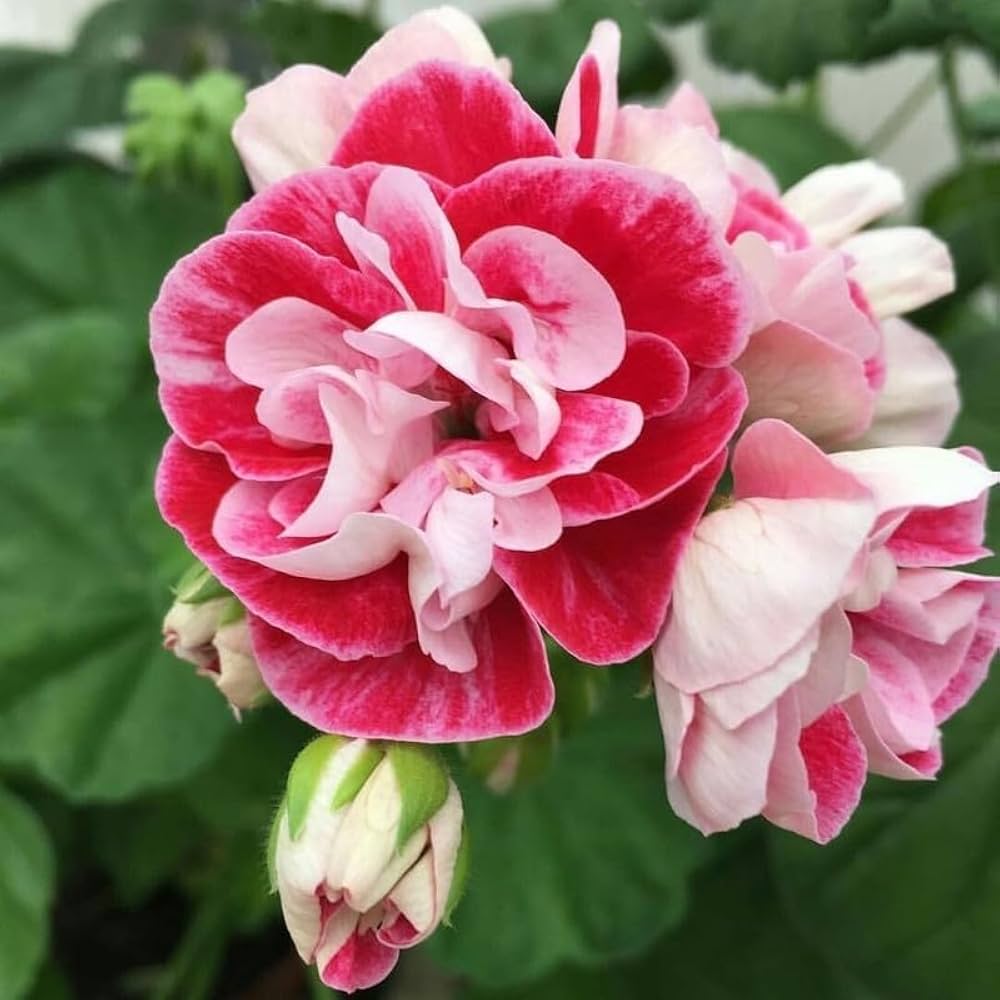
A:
[88,700]
[909,894]
[304,777]
[673,11]
[144,843]
[736,943]
[27,875]
[301,31]
[423,786]
[907,24]
[784,40]
[983,116]
[964,210]
[76,363]
[544,46]
[979,18]
[791,141]
[585,865]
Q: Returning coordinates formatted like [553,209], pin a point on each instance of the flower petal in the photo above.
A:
[368,615]
[590,101]
[644,232]
[840,199]
[900,268]
[451,121]
[600,606]
[408,696]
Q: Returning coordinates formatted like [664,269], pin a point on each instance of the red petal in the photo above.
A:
[669,451]
[202,299]
[368,615]
[454,122]
[672,273]
[603,589]
[408,696]
[653,374]
[362,962]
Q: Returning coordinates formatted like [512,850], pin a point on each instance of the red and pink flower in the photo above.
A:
[420,412]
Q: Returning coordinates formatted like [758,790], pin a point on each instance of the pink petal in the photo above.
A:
[362,962]
[284,336]
[796,376]
[274,143]
[672,274]
[975,667]
[589,103]
[527,523]
[910,766]
[656,139]
[203,299]
[834,674]
[774,460]
[733,704]
[930,604]
[602,608]
[369,615]
[304,206]
[670,450]
[946,536]
[758,211]
[578,335]
[755,564]
[590,428]
[840,199]
[688,105]
[407,696]
[816,785]
[900,268]
[914,476]
[722,777]
[453,122]
[919,400]
[896,697]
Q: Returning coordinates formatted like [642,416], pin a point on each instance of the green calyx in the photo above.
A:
[357,774]
[272,846]
[304,776]
[423,786]
[459,878]
[197,586]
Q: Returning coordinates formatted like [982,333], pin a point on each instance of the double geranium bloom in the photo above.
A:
[446,390]
[451,378]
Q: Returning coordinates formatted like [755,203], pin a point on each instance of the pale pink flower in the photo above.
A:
[772,693]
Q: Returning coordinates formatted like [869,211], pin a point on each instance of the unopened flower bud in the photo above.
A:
[208,627]
[367,855]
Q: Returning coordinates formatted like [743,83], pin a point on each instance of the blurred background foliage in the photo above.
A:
[132,806]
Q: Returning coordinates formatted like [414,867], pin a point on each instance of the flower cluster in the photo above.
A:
[452,378]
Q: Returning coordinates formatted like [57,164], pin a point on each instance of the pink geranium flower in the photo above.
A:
[824,326]
[812,634]
[414,421]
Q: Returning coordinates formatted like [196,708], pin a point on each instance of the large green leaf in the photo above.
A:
[88,700]
[736,943]
[301,31]
[785,40]
[908,896]
[583,866]
[27,874]
[791,141]
[544,46]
